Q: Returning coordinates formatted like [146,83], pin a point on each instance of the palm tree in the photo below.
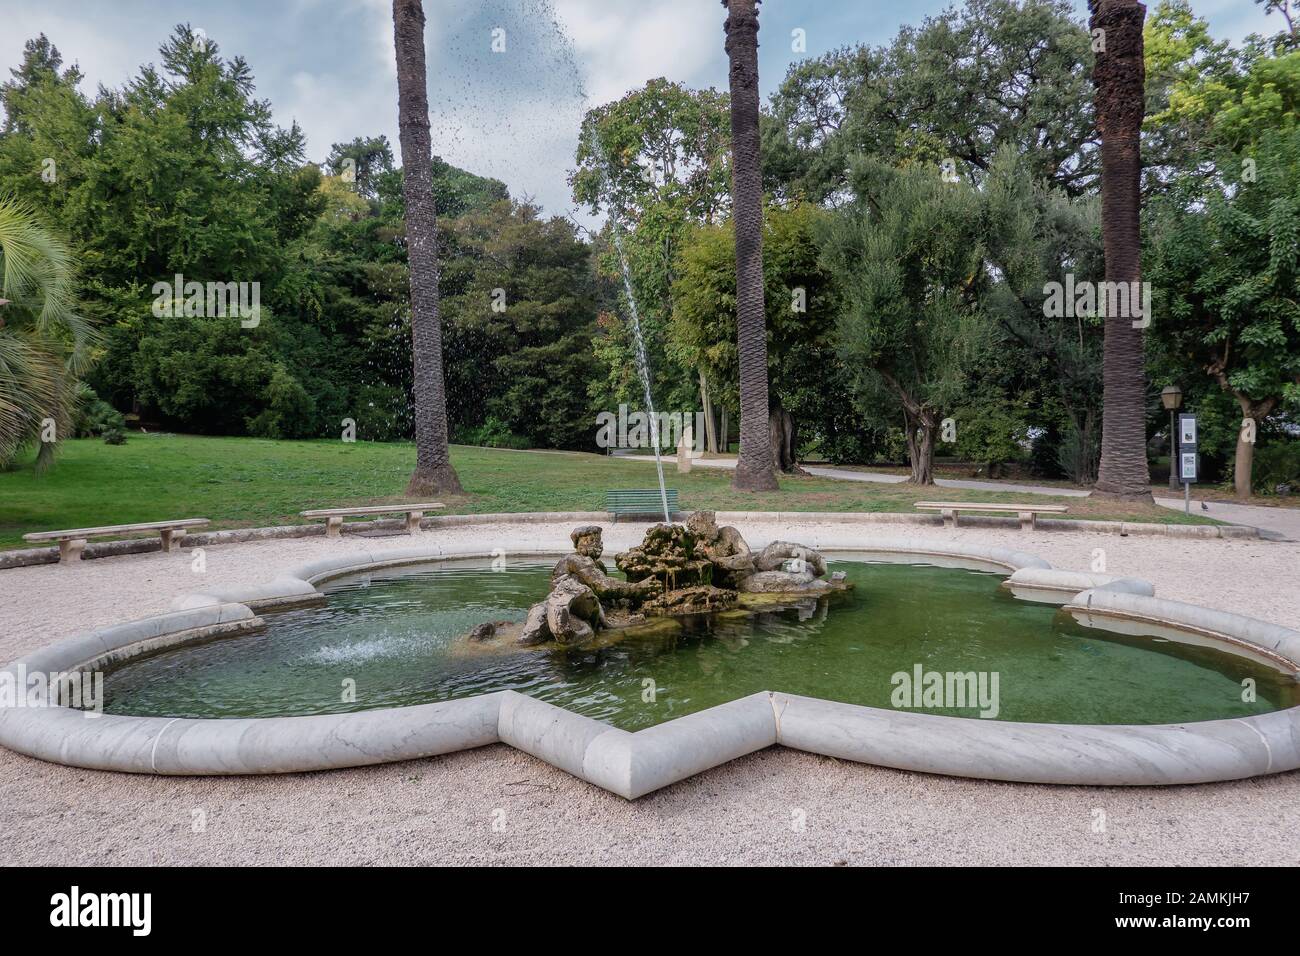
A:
[44,343]
[433,471]
[1119,77]
[754,469]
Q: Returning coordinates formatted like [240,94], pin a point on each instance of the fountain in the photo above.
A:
[677,571]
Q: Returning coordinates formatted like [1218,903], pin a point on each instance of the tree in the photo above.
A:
[806,379]
[48,134]
[434,473]
[656,160]
[966,82]
[661,142]
[1189,77]
[754,465]
[1037,237]
[1118,75]
[361,162]
[44,343]
[1227,264]
[908,259]
[518,294]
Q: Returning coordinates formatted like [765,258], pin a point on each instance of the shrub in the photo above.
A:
[1079,452]
[493,433]
[289,409]
[95,416]
[992,433]
[1276,464]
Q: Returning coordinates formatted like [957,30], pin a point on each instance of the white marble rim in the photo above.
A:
[634,764]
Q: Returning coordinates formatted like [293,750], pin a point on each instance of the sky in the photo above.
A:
[514,115]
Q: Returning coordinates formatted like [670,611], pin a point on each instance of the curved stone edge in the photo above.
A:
[76,652]
[1235,629]
[1077,754]
[632,765]
[249,746]
[1054,586]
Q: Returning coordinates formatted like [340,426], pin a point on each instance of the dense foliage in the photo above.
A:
[923,196]
[183,171]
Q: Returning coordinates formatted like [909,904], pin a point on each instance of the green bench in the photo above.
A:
[639,501]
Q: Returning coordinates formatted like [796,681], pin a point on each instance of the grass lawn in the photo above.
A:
[250,482]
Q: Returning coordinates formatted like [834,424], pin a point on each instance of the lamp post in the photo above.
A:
[1172,398]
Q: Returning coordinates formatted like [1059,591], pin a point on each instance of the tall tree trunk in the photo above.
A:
[920,447]
[710,423]
[1244,464]
[1119,77]
[920,422]
[433,471]
[754,470]
[781,427]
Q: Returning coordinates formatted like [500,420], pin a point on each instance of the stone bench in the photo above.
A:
[639,501]
[1027,513]
[73,541]
[334,516]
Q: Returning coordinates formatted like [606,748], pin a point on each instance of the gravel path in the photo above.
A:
[1279,523]
[496,805]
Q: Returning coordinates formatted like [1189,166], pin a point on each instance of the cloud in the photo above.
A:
[621,46]
[330,64]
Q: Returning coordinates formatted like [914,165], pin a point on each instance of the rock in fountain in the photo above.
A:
[676,571]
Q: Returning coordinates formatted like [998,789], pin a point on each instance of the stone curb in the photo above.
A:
[1077,754]
[1053,586]
[1235,629]
[26,557]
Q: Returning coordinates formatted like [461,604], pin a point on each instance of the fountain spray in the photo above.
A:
[642,361]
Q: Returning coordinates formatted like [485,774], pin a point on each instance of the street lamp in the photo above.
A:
[1172,398]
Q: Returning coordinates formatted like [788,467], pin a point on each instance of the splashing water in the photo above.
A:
[474,84]
[642,360]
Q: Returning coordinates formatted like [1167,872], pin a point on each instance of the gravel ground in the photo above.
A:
[496,805]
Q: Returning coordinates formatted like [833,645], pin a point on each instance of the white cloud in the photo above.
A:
[103,58]
[621,46]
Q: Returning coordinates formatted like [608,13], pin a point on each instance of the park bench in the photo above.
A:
[639,501]
[334,516]
[73,541]
[1027,513]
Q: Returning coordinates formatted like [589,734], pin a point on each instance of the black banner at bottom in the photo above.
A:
[336,905]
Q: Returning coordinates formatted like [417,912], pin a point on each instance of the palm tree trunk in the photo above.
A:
[433,471]
[1119,77]
[754,470]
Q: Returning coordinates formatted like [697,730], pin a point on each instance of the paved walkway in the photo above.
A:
[1274,523]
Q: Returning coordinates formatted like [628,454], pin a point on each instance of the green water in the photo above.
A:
[393,634]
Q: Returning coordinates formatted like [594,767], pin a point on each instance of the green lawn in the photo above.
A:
[249,482]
